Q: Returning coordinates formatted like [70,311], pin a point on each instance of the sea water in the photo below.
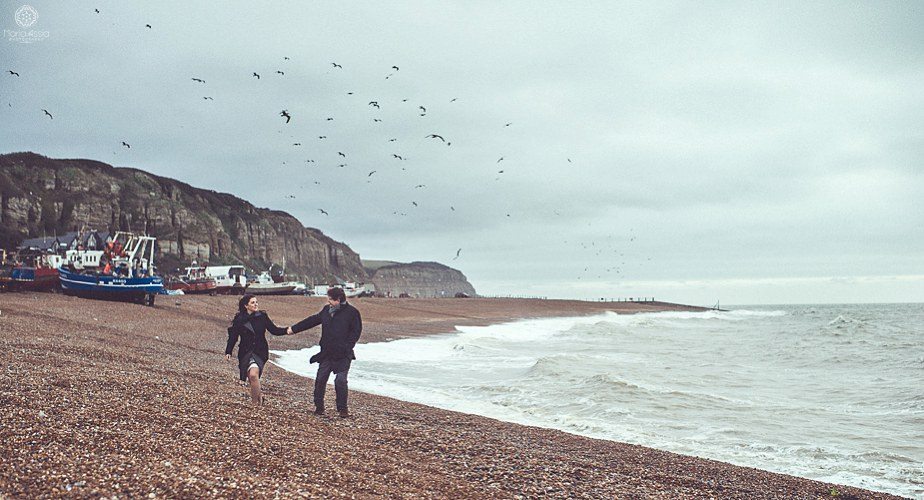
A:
[828,392]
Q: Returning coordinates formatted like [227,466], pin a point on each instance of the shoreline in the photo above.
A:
[104,398]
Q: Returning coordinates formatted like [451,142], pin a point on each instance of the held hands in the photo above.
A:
[289,331]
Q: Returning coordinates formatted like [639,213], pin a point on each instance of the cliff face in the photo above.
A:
[39,195]
[420,279]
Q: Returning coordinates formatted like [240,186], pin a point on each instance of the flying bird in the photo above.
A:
[436,136]
[280,72]
[207,98]
[457,254]
[508,124]
[323,211]
[375,103]
[395,68]
[330,118]
[337,65]
[256,75]
[285,57]
[376,120]
[322,137]
[127,145]
[96,10]
[397,156]
[392,140]
[286,114]
[49,114]
[291,196]
[370,173]
[198,80]
[422,108]
[148,26]
[500,159]
[296,144]
[13,73]
[420,186]
[414,203]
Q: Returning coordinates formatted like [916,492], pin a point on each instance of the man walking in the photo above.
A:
[341,326]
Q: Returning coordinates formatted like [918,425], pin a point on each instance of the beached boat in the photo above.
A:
[126,274]
[264,285]
[194,281]
[38,274]
[228,279]
[350,289]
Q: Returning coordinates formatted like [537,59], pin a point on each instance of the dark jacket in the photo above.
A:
[251,329]
[339,333]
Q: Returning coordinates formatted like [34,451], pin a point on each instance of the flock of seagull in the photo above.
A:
[289,116]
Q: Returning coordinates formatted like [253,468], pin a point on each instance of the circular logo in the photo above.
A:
[26,16]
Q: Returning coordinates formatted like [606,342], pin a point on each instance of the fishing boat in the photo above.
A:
[228,279]
[123,271]
[38,273]
[264,285]
[194,281]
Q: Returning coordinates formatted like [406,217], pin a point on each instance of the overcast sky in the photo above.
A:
[742,152]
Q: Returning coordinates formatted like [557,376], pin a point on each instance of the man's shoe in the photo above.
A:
[344,413]
[319,411]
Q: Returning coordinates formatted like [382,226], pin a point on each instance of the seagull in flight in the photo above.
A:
[500,159]
[96,10]
[127,145]
[420,186]
[280,72]
[198,80]
[436,136]
[337,65]
[49,114]
[148,26]
[375,103]
[414,203]
[395,68]
[207,98]
[323,211]
[286,114]
[457,254]
[13,73]
[256,75]
[370,173]
[397,156]
[341,154]
[421,108]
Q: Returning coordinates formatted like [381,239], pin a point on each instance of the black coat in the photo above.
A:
[251,329]
[339,333]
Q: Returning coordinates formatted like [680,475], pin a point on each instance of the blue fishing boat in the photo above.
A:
[124,271]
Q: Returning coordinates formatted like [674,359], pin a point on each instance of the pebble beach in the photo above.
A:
[108,399]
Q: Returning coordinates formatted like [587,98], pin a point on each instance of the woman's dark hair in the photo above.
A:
[337,294]
[243,302]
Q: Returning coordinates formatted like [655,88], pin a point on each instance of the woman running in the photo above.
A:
[250,326]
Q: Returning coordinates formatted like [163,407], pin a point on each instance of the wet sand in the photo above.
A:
[111,399]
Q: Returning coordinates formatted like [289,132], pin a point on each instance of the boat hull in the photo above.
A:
[32,278]
[270,289]
[197,286]
[108,287]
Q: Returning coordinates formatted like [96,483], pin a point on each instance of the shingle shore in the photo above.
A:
[112,399]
